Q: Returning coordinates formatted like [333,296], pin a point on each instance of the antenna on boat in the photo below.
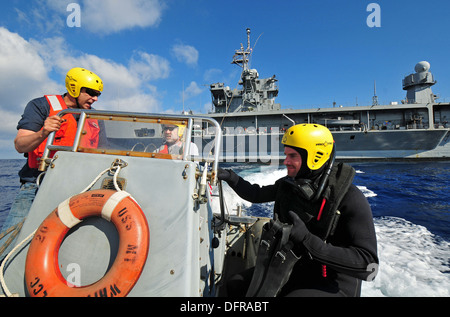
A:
[248,38]
[183,96]
[242,56]
[375,97]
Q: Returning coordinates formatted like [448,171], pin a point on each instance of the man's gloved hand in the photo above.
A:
[299,230]
[228,175]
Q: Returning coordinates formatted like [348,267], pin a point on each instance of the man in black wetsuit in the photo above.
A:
[331,230]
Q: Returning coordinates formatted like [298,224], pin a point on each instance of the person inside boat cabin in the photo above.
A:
[321,241]
[173,140]
[38,121]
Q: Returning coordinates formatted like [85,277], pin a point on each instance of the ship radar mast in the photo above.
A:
[375,97]
[241,57]
[418,85]
[257,94]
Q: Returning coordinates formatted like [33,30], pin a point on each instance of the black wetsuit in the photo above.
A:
[334,268]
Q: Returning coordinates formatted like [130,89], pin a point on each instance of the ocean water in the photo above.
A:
[411,208]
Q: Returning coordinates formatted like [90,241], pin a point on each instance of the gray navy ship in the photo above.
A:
[253,123]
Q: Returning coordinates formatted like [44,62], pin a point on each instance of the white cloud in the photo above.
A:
[192,90]
[25,68]
[149,66]
[23,76]
[37,15]
[8,124]
[120,81]
[186,54]
[102,17]
[110,16]
[212,74]
[135,103]
[22,71]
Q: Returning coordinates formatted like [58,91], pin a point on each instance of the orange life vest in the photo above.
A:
[165,149]
[65,136]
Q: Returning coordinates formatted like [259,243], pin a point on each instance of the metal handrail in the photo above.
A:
[84,114]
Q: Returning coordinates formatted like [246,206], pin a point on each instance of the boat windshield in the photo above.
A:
[143,135]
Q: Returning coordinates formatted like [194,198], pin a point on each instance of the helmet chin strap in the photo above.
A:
[325,175]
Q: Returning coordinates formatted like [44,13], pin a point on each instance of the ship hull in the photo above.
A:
[350,145]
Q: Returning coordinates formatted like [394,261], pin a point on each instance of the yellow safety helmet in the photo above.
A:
[78,78]
[315,139]
[181,128]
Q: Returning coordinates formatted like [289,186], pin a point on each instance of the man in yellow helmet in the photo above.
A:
[40,117]
[173,140]
[322,239]
[38,121]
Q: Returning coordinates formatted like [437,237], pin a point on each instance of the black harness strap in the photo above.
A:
[279,271]
[269,239]
[274,262]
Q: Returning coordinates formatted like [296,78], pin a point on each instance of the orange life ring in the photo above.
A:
[42,274]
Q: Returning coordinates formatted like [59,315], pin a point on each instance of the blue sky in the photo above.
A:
[146,51]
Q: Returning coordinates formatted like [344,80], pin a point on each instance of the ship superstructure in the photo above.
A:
[253,123]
